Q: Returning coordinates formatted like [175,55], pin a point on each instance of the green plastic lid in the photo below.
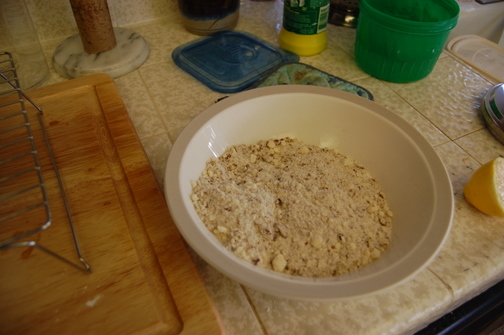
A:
[229,61]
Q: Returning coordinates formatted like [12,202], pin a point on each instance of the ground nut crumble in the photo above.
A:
[294,208]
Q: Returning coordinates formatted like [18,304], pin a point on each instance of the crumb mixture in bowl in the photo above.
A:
[294,208]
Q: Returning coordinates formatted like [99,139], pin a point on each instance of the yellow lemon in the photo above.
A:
[485,189]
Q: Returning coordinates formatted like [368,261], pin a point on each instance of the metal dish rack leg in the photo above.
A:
[8,77]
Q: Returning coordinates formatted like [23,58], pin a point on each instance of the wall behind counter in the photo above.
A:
[53,19]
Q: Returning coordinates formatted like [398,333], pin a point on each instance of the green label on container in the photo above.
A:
[306,17]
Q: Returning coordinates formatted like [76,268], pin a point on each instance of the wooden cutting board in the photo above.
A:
[143,280]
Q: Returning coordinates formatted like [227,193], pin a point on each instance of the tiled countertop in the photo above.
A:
[161,99]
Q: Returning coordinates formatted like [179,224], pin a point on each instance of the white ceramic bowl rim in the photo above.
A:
[207,136]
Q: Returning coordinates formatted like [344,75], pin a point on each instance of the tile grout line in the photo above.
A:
[252,306]
[152,100]
[445,284]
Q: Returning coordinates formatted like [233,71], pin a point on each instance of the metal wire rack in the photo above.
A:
[24,204]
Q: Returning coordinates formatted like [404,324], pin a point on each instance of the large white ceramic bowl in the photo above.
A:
[404,163]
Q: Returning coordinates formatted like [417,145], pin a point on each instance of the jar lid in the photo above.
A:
[493,111]
[229,61]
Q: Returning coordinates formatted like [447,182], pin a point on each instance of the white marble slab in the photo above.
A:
[71,61]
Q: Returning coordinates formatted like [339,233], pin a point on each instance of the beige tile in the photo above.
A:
[52,19]
[229,299]
[157,149]
[337,62]
[144,115]
[384,96]
[124,12]
[393,312]
[163,36]
[459,165]
[344,37]
[473,255]
[449,97]
[175,133]
[338,58]
[48,47]
[481,145]
[444,53]
[177,104]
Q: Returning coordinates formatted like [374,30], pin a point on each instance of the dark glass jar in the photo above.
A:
[203,17]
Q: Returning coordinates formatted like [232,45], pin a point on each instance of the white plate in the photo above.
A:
[414,179]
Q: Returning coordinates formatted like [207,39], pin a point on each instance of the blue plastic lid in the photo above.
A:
[229,61]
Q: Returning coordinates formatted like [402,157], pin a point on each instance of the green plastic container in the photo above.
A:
[401,40]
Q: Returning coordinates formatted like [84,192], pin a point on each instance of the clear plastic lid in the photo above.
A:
[482,54]
[229,61]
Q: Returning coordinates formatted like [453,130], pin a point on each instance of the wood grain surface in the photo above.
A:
[143,279]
